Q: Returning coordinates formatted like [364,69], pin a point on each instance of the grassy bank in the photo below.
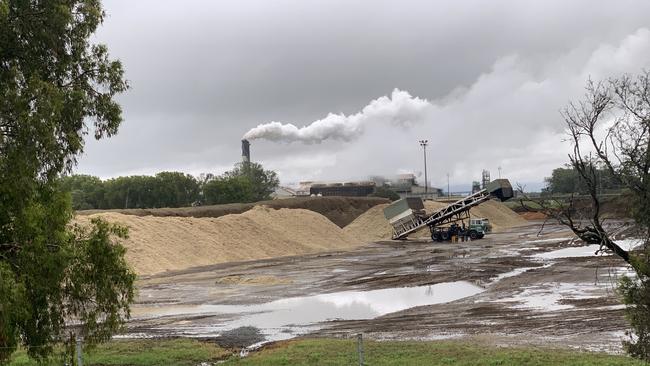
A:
[172,352]
[181,352]
[343,352]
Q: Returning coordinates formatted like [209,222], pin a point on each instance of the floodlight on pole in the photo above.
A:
[424,143]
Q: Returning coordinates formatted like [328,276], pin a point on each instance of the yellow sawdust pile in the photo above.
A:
[158,244]
[373,226]
[500,216]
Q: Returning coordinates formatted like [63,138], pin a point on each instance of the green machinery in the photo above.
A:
[407,215]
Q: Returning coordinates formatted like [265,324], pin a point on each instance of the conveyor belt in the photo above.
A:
[455,211]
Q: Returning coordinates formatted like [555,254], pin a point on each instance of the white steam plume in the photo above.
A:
[400,109]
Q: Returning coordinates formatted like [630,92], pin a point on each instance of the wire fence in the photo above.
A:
[354,351]
[356,348]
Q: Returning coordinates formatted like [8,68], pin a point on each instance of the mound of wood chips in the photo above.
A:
[158,244]
[373,226]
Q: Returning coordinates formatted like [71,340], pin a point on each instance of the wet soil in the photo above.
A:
[560,302]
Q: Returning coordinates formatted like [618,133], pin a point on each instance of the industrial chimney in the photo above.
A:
[485,180]
[245,151]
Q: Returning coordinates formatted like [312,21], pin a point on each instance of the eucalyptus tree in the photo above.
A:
[56,87]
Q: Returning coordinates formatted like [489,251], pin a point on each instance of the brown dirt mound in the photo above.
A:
[158,244]
[373,226]
[340,210]
[531,215]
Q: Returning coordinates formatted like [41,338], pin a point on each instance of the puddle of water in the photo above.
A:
[624,271]
[546,298]
[614,274]
[286,318]
[513,273]
[511,252]
[611,307]
[588,250]
[442,336]
[630,244]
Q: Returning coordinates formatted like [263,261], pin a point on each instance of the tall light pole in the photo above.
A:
[424,143]
[499,172]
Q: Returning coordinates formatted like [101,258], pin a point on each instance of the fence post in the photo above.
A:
[360,348]
[80,361]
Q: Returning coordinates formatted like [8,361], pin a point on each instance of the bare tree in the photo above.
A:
[610,130]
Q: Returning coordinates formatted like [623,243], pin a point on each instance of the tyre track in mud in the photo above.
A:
[593,320]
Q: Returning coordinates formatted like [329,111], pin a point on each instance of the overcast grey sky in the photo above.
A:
[495,73]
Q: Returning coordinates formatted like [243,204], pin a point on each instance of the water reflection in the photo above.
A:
[301,314]
[587,250]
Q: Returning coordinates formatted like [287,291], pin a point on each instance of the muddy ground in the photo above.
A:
[525,299]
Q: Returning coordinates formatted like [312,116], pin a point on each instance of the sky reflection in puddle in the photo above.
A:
[587,250]
[281,318]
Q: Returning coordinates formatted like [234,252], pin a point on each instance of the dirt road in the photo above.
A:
[516,288]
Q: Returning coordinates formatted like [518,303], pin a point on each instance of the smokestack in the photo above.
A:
[245,151]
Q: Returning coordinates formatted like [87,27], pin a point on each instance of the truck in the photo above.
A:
[446,233]
[407,215]
[481,222]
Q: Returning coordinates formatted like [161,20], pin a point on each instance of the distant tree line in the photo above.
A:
[246,182]
[568,180]
[385,192]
